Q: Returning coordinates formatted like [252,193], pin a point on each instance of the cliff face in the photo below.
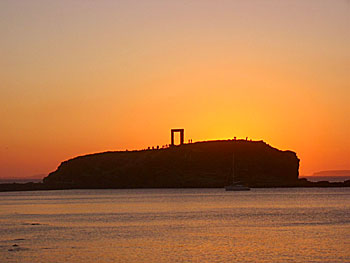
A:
[201,164]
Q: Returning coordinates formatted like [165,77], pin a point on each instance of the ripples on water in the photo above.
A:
[176,225]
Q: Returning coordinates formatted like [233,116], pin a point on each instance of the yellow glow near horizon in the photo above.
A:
[86,77]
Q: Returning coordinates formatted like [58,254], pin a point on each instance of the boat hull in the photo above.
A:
[236,188]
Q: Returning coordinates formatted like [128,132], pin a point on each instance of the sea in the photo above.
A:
[176,225]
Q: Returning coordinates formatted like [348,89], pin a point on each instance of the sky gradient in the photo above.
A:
[80,77]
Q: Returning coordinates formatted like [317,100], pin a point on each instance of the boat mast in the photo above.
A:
[233,167]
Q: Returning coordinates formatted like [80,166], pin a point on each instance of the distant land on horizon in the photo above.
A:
[326,178]
[332,173]
[9,180]
[35,178]
[329,175]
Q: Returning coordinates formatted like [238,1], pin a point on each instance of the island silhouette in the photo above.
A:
[205,164]
[200,164]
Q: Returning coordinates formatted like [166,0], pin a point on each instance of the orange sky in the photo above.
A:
[87,76]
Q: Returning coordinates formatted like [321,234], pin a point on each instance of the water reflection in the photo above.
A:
[175,225]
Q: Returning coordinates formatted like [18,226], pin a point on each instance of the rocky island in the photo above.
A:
[205,164]
[200,164]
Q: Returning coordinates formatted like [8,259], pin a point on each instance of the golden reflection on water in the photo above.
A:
[176,225]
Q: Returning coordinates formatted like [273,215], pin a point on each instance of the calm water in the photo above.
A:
[176,225]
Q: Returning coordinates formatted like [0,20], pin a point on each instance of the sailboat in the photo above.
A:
[235,185]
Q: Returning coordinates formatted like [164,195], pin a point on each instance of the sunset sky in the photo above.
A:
[85,76]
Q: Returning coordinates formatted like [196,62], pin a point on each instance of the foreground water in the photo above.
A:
[176,225]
